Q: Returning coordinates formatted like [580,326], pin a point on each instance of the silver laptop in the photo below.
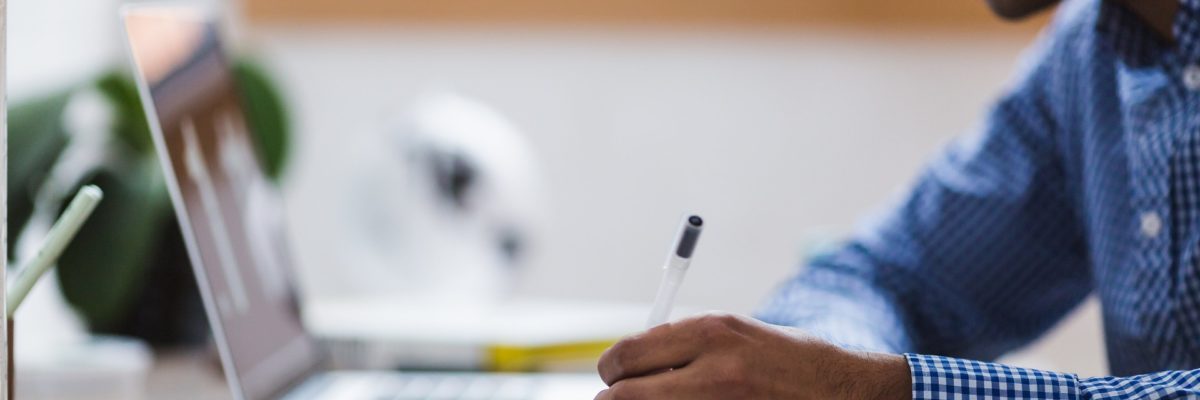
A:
[232,224]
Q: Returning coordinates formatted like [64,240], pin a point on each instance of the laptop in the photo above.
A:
[231,221]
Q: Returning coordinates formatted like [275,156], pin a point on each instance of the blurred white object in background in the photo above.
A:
[448,203]
[102,368]
[54,43]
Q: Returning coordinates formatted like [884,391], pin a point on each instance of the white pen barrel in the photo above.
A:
[665,299]
[678,260]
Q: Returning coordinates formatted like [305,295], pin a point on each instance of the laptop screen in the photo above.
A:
[229,212]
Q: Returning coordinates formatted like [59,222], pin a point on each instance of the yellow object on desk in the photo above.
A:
[517,358]
[512,335]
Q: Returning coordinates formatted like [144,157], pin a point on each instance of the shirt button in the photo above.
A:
[1191,77]
[1151,224]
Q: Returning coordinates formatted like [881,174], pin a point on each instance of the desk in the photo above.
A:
[186,375]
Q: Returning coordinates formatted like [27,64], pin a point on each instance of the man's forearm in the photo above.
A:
[841,307]
[884,377]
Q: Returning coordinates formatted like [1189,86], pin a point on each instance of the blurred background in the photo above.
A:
[478,150]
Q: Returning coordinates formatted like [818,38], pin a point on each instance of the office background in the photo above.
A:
[781,132]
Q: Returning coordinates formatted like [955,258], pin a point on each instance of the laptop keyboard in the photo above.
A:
[451,387]
[417,386]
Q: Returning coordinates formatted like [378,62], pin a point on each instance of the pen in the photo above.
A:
[677,265]
[57,239]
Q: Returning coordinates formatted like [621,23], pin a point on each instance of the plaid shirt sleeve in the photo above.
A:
[983,254]
[950,378]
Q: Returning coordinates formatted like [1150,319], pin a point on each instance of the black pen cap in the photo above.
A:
[689,236]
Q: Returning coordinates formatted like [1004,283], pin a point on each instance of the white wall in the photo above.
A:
[49,48]
[770,136]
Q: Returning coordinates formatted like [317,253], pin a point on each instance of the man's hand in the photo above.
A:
[724,356]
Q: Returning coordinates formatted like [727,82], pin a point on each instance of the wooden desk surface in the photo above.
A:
[186,375]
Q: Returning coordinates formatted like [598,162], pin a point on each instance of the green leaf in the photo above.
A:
[131,126]
[102,270]
[265,115]
[35,141]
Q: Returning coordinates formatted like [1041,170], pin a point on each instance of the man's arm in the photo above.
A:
[723,356]
[985,252]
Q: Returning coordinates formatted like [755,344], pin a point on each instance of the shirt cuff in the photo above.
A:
[935,377]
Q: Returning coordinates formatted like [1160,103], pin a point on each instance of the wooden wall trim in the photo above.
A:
[937,14]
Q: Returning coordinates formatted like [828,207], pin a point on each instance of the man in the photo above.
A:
[1084,178]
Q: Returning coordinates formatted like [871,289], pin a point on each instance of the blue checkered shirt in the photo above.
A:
[1083,178]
